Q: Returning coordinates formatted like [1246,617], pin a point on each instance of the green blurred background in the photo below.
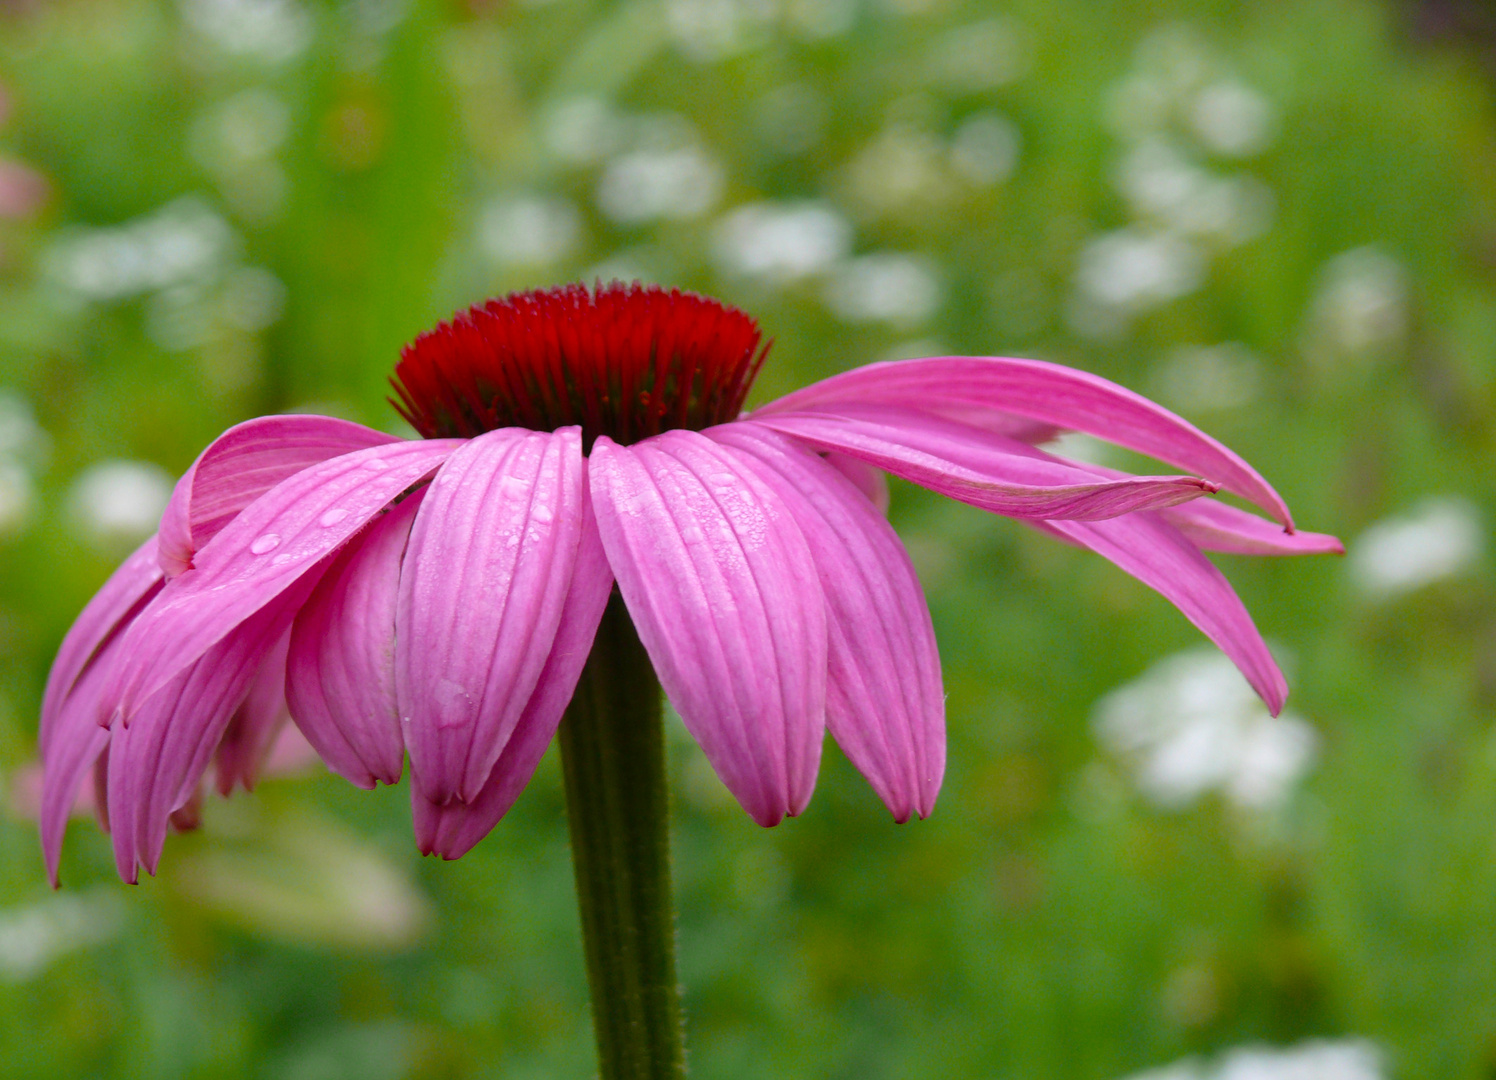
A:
[1278,219]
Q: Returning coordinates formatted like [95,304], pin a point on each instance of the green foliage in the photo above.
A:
[343,175]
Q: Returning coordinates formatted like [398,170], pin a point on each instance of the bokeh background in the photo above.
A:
[1278,219]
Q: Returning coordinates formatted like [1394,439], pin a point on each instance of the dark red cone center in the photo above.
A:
[626,361]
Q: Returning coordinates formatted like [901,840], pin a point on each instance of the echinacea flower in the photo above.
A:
[438,597]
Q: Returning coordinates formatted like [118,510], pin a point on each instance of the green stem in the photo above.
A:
[613,760]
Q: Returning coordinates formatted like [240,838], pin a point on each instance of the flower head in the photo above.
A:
[438,597]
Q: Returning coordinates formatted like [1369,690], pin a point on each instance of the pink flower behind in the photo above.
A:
[439,598]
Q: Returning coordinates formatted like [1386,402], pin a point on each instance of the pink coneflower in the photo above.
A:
[439,597]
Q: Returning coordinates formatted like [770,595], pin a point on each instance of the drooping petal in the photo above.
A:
[486,574]
[872,482]
[979,467]
[1161,557]
[255,724]
[242,464]
[1049,393]
[76,743]
[725,595]
[340,673]
[157,762]
[271,544]
[884,701]
[1214,526]
[128,590]
[451,830]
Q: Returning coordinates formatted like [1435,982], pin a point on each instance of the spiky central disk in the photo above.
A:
[626,361]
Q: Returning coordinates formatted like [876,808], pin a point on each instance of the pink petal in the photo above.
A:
[76,743]
[485,578]
[340,675]
[873,483]
[1048,393]
[260,554]
[1214,526]
[451,830]
[255,725]
[725,595]
[1160,556]
[979,467]
[885,703]
[157,762]
[113,607]
[242,464]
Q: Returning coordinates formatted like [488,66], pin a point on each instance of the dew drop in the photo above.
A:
[265,543]
[332,517]
[375,464]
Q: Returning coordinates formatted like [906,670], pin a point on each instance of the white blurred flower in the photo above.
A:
[1156,177]
[269,30]
[903,290]
[984,149]
[1438,538]
[1360,306]
[1191,724]
[1136,269]
[901,167]
[709,30]
[1198,378]
[33,935]
[252,299]
[820,20]
[781,242]
[21,437]
[1316,1059]
[648,184]
[119,502]
[529,230]
[1346,1059]
[978,56]
[1078,446]
[581,130]
[17,496]
[1233,119]
[248,126]
[183,242]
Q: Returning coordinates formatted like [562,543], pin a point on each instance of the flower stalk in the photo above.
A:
[613,759]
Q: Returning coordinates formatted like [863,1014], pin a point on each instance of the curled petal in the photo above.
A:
[1214,526]
[725,595]
[269,547]
[1045,392]
[451,830]
[1161,557]
[485,578]
[112,608]
[884,701]
[157,762]
[242,464]
[340,673]
[985,469]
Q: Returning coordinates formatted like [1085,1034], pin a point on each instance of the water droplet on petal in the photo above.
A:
[375,464]
[332,517]
[265,543]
